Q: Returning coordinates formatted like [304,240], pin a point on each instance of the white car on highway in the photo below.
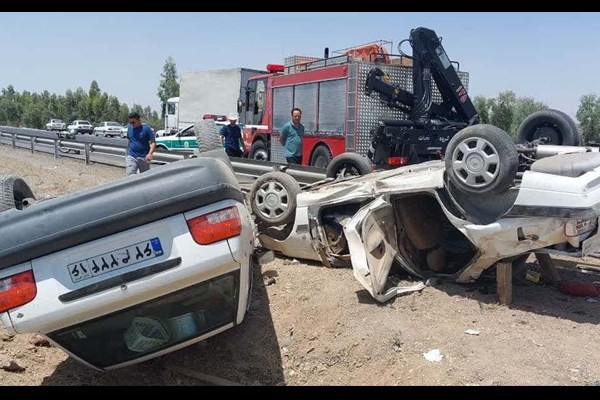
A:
[129,270]
[80,126]
[109,129]
[56,125]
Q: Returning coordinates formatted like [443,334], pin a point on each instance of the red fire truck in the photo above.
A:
[337,114]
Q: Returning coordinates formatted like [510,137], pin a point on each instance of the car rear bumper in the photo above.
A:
[63,307]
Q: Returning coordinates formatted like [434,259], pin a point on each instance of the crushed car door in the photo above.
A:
[373,246]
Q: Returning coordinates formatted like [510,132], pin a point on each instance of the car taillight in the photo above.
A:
[17,290]
[397,161]
[216,226]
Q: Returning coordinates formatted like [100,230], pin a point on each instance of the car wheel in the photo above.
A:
[321,157]
[481,159]
[273,198]
[207,135]
[555,125]
[14,193]
[258,151]
[348,164]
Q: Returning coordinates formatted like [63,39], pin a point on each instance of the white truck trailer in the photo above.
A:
[207,92]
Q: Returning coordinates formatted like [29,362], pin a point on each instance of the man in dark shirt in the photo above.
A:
[232,136]
[141,145]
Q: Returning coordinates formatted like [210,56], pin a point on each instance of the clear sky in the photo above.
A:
[554,57]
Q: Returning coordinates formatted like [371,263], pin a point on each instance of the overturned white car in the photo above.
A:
[489,200]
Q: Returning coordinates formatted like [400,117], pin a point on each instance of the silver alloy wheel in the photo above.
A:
[475,162]
[272,199]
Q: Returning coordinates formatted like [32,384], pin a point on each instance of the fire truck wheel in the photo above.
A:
[258,151]
[555,125]
[348,164]
[481,159]
[321,157]
[207,135]
[14,193]
[273,198]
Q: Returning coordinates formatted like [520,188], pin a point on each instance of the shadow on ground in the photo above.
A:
[247,354]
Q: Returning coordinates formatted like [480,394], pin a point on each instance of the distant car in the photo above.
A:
[56,125]
[114,283]
[109,128]
[81,126]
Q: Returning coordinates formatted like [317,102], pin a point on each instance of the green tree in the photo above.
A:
[503,110]
[94,89]
[168,86]
[483,106]
[10,106]
[588,115]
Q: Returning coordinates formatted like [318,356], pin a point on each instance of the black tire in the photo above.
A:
[348,164]
[13,192]
[207,135]
[481,159]
[258,151]
[557,126]
[321,157]
[573,127]
[161,147]
[273,198]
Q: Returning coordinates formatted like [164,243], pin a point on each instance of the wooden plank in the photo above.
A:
[549,271]
[504,282]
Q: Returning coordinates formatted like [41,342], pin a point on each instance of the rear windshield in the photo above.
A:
[155,325]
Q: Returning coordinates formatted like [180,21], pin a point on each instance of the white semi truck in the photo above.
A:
[206,92]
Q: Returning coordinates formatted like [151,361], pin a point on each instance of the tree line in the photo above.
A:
[34,110]
[507,111]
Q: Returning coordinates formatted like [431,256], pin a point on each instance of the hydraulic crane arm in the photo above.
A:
[430,61]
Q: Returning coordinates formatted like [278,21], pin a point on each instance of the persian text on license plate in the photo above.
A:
[114,260]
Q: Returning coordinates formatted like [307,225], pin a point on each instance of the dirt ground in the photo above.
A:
[317,326]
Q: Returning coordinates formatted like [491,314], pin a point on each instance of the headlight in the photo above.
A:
[578,227]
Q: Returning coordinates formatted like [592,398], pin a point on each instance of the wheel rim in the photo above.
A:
[260,155]
[272,200]
[475,162]
[347,170]
[549,132]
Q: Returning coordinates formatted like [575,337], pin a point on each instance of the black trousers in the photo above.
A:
[231,152]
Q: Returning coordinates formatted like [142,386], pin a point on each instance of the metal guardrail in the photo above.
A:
[89,144]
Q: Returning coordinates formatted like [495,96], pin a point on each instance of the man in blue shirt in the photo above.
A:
[141,145]
[232,136]
[291,138]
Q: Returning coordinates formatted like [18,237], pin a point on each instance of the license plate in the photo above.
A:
[116,259]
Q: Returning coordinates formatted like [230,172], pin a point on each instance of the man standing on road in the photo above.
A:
[291,138]
[141,145]
[232,136]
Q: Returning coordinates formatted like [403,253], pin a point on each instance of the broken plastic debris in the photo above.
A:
[433,355]
[590,300]
[533,276]
[472,332]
